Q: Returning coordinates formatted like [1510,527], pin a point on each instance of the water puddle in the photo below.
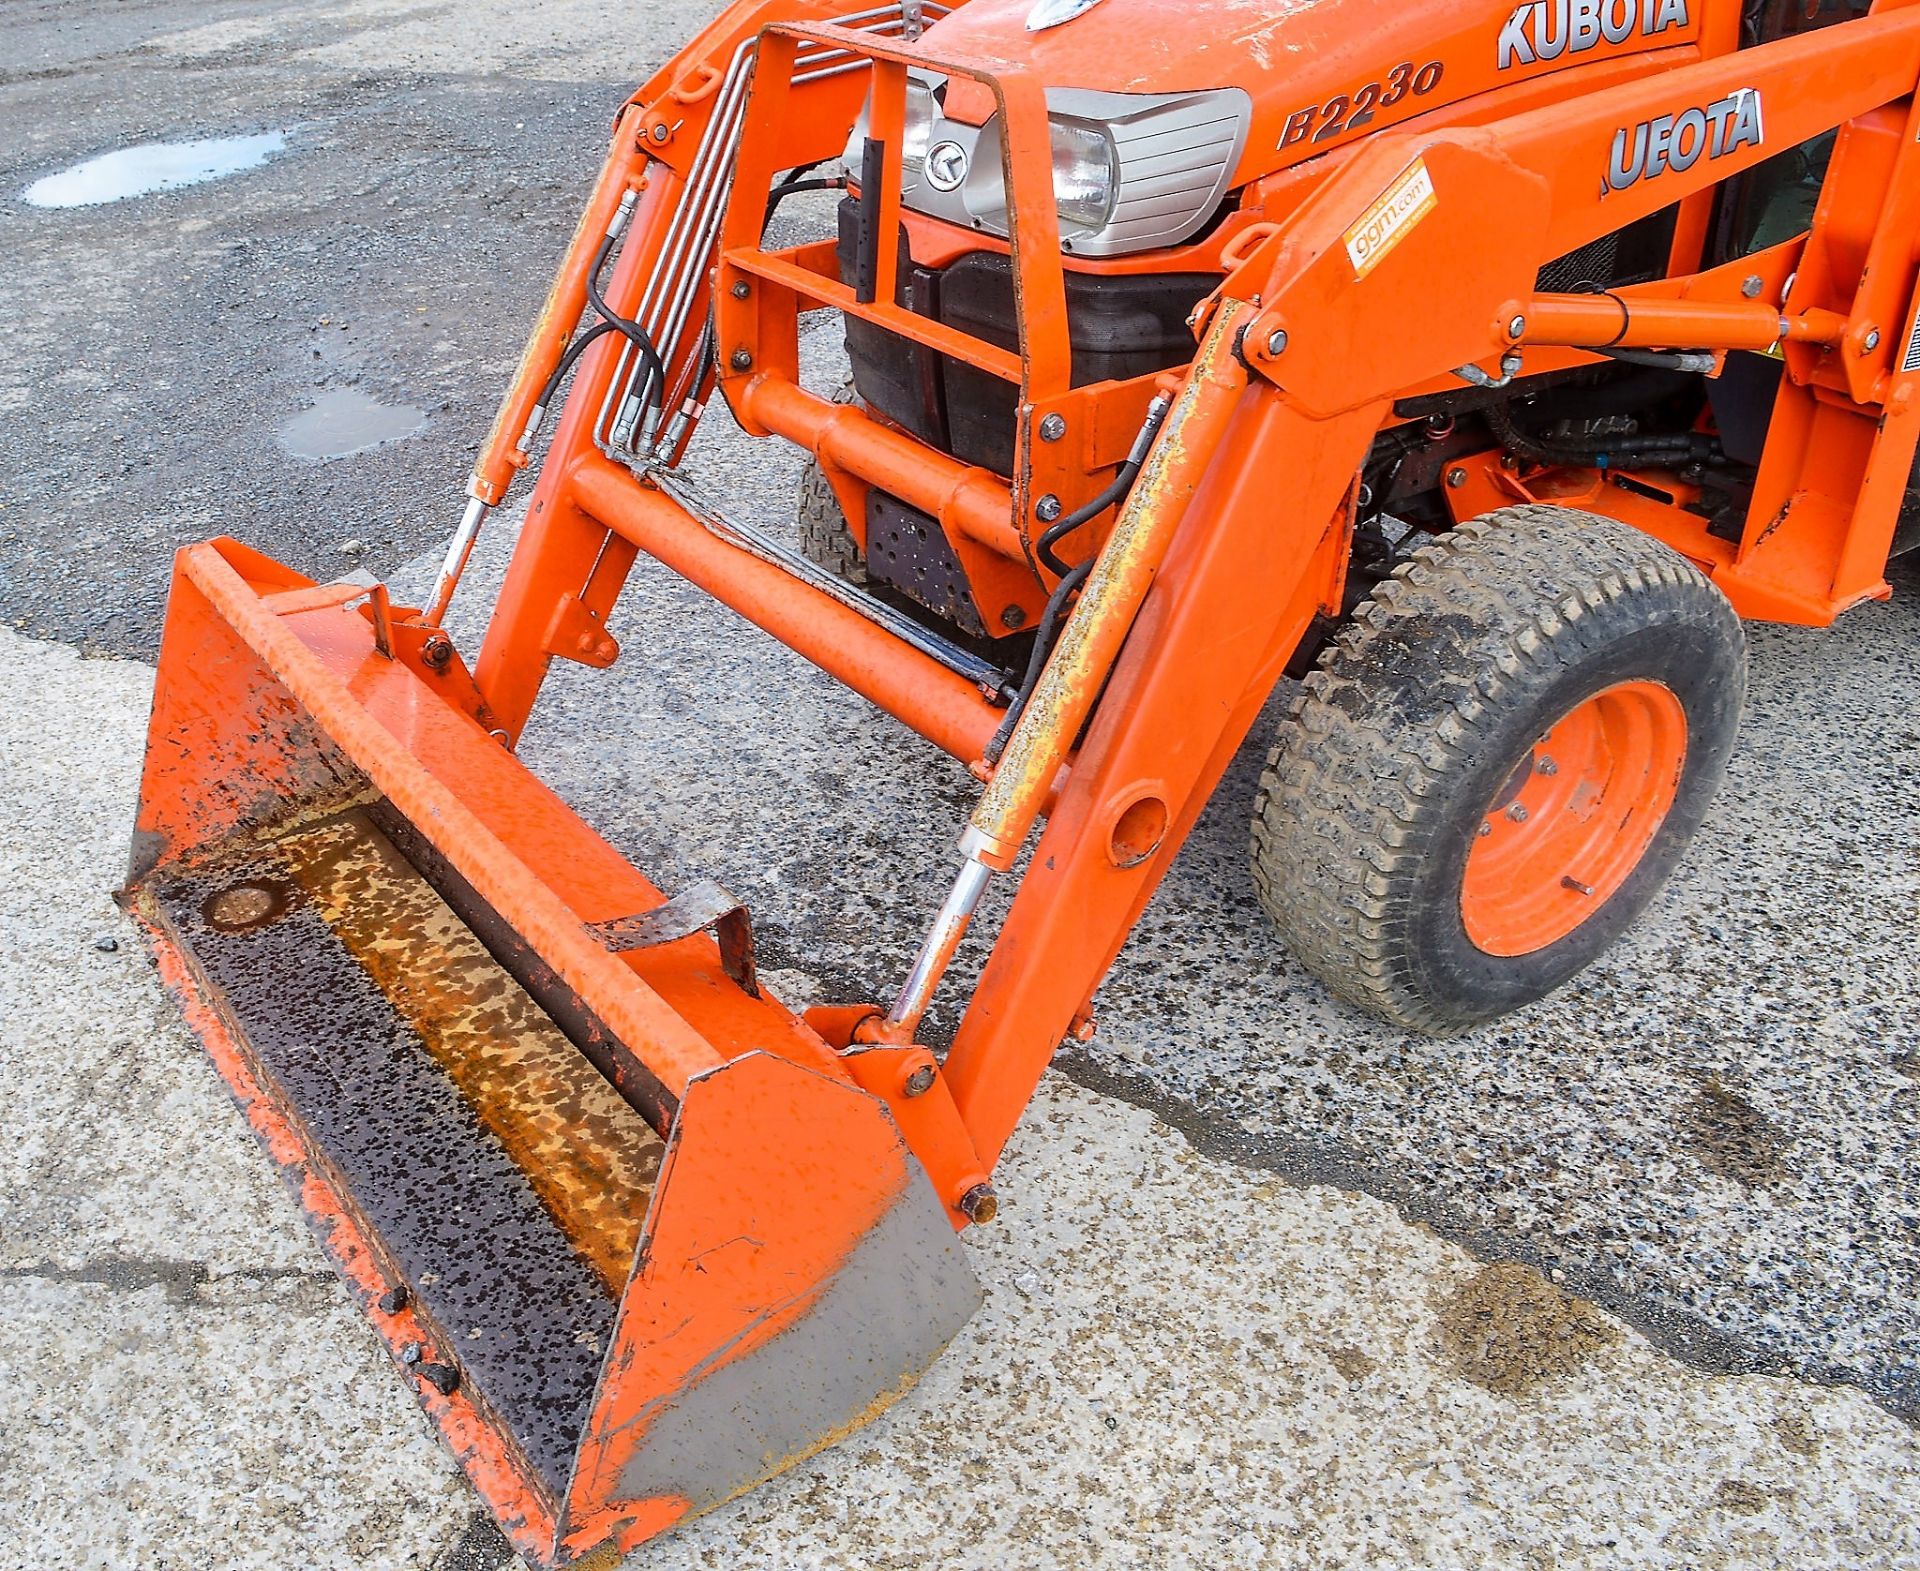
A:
[347,421]
[153,166]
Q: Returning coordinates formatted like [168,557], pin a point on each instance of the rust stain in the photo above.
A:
[591,1159]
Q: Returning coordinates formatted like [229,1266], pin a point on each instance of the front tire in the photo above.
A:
[1496,765]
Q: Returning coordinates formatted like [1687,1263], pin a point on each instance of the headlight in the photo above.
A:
[1131,171]
[1083,174]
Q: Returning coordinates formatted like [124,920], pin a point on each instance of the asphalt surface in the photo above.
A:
[1709,1134]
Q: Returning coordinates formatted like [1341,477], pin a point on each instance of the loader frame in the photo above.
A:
[1199,591]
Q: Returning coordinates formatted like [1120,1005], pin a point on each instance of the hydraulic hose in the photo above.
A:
[1678,447]
[1116,489]
[1071,578]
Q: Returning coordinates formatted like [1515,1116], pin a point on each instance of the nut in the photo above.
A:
[436,651]
[1752,285]
[1013,618]
[1518,812]
[1053,428]
[1456,478]
[1047,509]
[920,1082]
[741,289]
[1546,766]
[741,359]
[979,1204]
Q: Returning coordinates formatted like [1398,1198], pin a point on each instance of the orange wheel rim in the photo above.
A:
[1573,818]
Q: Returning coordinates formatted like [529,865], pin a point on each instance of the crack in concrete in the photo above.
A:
[1303,1162]
[185,1282]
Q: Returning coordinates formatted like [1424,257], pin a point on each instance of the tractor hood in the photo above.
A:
[1317,72]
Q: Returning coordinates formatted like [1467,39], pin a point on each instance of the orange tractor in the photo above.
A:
[1482,363]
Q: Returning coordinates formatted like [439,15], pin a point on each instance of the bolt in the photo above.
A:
[1518,812]
[920,1082]
[741,359]
[1547,766]
[1752,285]
[437,651]
[444,1378]
[1013,618]
[660,132]
[392,1301]
[1517,328]
[1456,478]
[979,1204]
[1053,428]
[1576,886]
[1485,829]
[1047,509]
[1277,341]
[741,289]
[1871,342]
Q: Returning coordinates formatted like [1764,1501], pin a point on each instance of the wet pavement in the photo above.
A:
[1708,1135]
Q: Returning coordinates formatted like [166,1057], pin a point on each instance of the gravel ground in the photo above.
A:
[1708,1134]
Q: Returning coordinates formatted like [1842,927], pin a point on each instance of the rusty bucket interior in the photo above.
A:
[635,1234]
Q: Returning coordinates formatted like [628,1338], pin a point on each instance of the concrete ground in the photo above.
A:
[1253,1244]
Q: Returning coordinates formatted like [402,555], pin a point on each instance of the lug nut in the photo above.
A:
[1518,812]
[1047,509]
[741,359]
[1053,428]
[979,1204]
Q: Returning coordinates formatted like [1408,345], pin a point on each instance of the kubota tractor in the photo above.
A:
[1482,364]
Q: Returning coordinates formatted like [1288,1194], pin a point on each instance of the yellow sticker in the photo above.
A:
[1391,218]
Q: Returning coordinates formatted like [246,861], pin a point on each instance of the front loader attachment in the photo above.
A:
[637,1236]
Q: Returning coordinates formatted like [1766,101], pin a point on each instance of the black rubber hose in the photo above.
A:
[795,184]
[632,331]
[1679,447]
[1037,661]
[575,350]
[1116,488]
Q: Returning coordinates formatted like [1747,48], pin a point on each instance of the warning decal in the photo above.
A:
[1391,218]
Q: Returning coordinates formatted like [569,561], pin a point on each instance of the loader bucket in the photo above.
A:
[634,1234]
